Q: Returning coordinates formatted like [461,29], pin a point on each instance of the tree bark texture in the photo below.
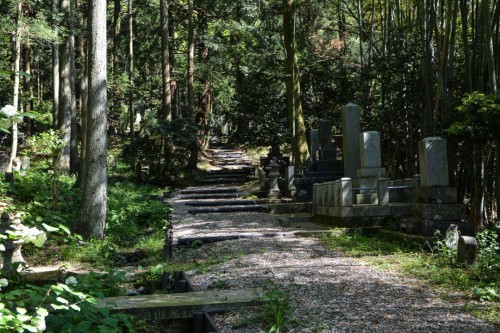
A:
[296,118]
[65,93]
[193,158]
[166,108]
[92,214]
[15,99]
[55,66]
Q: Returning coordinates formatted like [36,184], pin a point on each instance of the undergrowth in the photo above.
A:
[436,265]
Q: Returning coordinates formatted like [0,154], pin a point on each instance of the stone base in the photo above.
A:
[367,199]
[353,211]
[328,165]
[439,212]
[370,184]
[428,228]
[437,195]
[371,173]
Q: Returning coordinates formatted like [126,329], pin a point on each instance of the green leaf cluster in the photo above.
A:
[479,116]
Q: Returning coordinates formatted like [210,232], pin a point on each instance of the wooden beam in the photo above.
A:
[174,306]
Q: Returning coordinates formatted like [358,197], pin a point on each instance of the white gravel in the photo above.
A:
[328,292]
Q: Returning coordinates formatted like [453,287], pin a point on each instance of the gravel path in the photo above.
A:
[328,291]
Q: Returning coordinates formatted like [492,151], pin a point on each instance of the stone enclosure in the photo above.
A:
[354,190]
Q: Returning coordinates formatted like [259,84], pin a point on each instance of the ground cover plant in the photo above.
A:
[47,201]
[434,264]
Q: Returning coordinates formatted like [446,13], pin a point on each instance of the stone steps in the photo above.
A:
[211,196]
[210,190]
[221,181]
[229,209]
[213,203]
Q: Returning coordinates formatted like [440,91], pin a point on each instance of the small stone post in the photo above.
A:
[346,192]
[290,178]
[274,173]
[383,192]
[467,250]
[337,193]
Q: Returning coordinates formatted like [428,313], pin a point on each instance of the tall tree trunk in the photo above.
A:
[205,99]
[193,158]
[427,64]
[117,91]
[92,214]
[65,93]
[55,66]
[83,45]
[493,88]
[464,12]
[74,156]
[300,150]
[131,72]
[117,23]
[17,61]
[166,108]
[173,84]
[28,87]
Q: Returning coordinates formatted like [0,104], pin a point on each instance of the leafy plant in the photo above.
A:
[277,306]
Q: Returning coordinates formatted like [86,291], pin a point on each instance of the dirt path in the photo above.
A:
[328,292]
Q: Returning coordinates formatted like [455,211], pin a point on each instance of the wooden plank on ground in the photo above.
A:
[174,306]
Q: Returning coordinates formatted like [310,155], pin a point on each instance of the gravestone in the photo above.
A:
[370,171]
[433,161]
[351,129]
[324,164]
[314,145]
[437,207]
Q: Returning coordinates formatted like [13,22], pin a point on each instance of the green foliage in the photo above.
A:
[131,210]
[488,258]
[438,267]
[45,144]
[478,118]
[277,307]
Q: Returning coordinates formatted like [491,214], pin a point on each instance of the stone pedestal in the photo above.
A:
[274,191]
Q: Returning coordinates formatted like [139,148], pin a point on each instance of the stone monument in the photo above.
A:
[436,207]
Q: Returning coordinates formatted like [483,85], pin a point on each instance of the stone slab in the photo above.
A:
[369,149]
[439,212]
[289,208]
[368,183]
[367,199]
[351,129]
[314,143]
[436,195]
[182,305]
[371,210]
[371,172]
[325,134]
[401,209]
[433,161]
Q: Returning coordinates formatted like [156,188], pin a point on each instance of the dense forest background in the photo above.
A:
[259,72]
